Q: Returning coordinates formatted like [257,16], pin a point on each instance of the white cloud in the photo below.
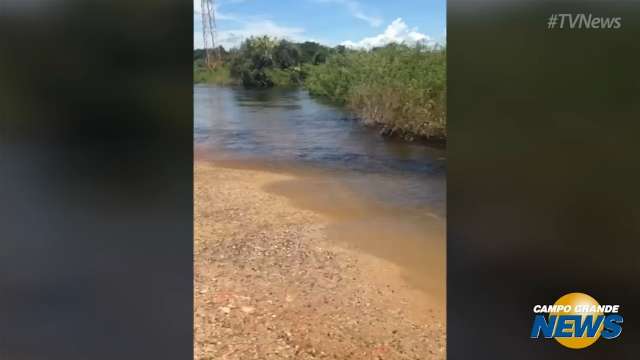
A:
[396,32]
[355,9]
[197,12]
[233,38]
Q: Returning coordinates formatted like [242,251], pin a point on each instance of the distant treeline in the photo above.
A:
[262,62]
[398,88]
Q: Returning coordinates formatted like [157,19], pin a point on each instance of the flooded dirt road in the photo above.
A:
[304,215]
[386,197]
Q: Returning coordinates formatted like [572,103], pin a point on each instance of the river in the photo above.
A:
[387,197]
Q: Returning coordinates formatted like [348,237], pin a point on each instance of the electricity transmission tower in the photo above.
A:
[209,32]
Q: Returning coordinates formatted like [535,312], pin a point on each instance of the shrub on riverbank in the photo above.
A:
[262,62]
[220,75]
[399,88]
[265,62]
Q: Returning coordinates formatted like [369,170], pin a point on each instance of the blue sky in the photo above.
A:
[355,23]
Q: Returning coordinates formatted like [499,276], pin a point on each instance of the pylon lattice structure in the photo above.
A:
[209,32]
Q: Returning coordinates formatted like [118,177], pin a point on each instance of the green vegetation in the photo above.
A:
[261,62]
[220,75]
[400,89]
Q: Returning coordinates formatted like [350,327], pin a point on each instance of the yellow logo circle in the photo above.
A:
[578,300]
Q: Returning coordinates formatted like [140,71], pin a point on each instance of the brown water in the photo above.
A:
[385,197]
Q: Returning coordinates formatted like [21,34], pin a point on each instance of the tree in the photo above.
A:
[287,55]
[309,49]
[256,54]
[320,57]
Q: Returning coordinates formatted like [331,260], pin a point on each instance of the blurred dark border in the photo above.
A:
[96,179]
[543,173]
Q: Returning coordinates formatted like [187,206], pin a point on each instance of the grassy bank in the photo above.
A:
[400,89]
[220,75]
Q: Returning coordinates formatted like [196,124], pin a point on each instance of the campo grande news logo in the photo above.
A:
[576,320]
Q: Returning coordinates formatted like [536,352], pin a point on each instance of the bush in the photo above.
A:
[265,62]
[400,89]
[287,55]
[219,75]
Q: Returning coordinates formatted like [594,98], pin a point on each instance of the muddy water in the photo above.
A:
[384,197]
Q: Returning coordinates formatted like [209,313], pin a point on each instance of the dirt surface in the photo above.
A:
[268,284]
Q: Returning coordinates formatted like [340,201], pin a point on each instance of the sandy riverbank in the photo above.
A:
[269,285]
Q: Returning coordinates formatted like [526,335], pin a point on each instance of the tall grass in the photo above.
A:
[220,75]
[398,88]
